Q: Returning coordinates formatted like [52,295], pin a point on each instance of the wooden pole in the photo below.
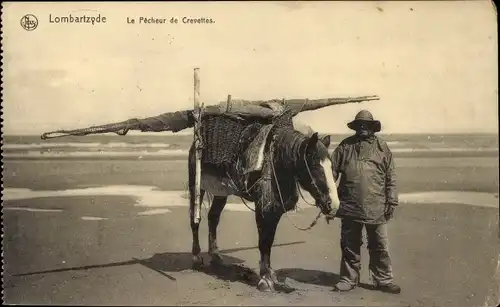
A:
[198,147]
[228,103]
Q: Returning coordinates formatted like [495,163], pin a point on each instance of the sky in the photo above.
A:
[433,64]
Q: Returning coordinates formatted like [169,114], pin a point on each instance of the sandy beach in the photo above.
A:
[97,124]
[117,232]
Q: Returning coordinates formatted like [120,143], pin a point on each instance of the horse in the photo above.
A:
[291,158]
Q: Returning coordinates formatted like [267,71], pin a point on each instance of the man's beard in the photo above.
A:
[363,133]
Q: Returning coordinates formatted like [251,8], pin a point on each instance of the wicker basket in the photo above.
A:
[221,138]
[225,137]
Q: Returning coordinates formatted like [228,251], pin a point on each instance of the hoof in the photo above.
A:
[216,259]
[197,262]
[265,285]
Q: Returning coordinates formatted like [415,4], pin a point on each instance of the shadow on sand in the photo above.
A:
[232,268]
[314,277]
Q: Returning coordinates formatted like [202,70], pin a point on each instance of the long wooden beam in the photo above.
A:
[180,120]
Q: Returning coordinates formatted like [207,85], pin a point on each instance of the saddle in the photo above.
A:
[250,160]
[240,161]
[253,156]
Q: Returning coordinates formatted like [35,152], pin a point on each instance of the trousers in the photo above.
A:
[378,248]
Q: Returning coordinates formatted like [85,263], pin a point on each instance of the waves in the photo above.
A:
[177,148]
[183,153]
[85,145]
[109,146]
[106,154]
[92,149]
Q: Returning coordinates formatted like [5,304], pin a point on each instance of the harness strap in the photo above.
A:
[315,221]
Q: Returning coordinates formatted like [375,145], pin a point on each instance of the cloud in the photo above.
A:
[434,65]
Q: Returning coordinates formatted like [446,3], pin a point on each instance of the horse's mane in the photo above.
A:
[288,142]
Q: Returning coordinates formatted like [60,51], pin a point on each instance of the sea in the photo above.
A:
[176,146]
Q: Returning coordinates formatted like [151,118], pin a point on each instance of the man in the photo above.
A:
[367,192]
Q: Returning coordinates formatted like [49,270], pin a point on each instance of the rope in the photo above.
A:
[283,203]
[314,222]
[303,198]
[245,203]
[197,131]
[246,190]
[304,104]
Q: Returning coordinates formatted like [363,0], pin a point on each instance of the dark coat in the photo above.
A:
[367,179]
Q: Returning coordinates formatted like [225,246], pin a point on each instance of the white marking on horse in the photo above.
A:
[330,182]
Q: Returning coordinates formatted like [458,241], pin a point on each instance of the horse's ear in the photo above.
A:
[313,140]
[326,140]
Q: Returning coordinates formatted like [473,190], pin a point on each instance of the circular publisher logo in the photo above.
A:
[29,22]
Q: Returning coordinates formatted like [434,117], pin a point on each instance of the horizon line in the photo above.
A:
[319,132]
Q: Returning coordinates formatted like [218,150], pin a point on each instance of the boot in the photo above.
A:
[343,286]
[389,288]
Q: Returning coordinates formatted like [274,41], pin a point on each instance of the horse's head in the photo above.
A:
[315,174]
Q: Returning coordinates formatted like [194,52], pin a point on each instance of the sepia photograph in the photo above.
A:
[273,153]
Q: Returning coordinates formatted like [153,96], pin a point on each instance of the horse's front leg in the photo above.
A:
[267,223]
[214,214]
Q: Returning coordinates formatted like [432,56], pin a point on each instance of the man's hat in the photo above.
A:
[366,117]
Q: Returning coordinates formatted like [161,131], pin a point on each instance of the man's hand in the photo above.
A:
[330,216]
[389,212]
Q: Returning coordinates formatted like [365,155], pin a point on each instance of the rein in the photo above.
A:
[312,179]
[303,198]
[315,221]
[311,176]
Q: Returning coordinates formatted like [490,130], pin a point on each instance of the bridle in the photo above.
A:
[304,157]
[313,181]
[274,174]
[281,197]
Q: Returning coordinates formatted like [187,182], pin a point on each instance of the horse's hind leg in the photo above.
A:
[197,258]
[214,214]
